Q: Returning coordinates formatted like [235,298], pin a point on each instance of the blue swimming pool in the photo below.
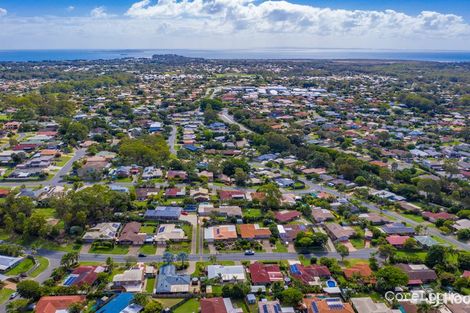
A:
[331,283]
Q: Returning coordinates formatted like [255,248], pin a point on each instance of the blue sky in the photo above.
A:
[378,24]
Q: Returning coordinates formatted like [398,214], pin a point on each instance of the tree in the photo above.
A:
[429,186]
[425,307]
[75,308]
[168,257]
[272,195]
[141,299]
[463,234]
[153,307]
[342,250]
[18,305]
[29,289]
[291,296]
[240,177]
[182,256]
[75,132]
[109,264]
[410,244]
[436,255]
[146,150]
[387,251]
[68,260]
[389,277]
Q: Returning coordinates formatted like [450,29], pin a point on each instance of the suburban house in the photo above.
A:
[309,274]
[175,192]
[338,232]
[288,233]
[103,232]
[8,262]
[322,215]
[227,195]
[168,281]
[426,241]
[263,274]
[367,305]
[226,273]
[265,306]
[221,232]
[207,209]
[361,270]
[418,274]
[397,240]
[287,216]
[131,280]
[84,274]
[433,217]
[131,235]
[169,232]
[57,304]
[254,231]
[461,224]
[164,213]
[181,175]
[200,194]
[326,305]
[374,218]
[218,305]
[397,229]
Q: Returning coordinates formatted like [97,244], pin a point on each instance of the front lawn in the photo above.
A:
[43,264]
[148,249]
[5,294]
[177,247]
[358,243]
[190,306]
[23,267]
[419,254]
[45,213]
[150,285]
[414,217]
[280,247]
[117,249]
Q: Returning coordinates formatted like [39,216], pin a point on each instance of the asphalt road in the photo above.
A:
[91,257]
[172,139]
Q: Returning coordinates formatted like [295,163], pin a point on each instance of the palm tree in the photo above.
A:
[168,257]
[182,256]
[424,307]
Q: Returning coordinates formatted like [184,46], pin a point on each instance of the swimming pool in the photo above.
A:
[331,283]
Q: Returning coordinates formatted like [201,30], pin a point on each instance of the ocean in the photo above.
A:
[271,53]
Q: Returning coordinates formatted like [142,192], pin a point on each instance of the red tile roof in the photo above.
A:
[286,216]
[265,273]
[213,305]
[52,304]
[397,240]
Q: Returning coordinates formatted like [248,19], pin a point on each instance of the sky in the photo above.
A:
[235,24]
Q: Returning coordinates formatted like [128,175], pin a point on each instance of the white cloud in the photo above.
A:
[236,24]
[70,8]
[3,12]
[286,17]
[98,12]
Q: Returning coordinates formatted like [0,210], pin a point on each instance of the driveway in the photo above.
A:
[267,246]
[133,250]
[193,219]
[350,246]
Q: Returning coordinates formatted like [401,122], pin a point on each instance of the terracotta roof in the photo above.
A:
[397,240]
[362,270]
[265,273]
[286,216]
[252,231]
[213,305]
[54,303]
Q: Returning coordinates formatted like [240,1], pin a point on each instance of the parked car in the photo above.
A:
[249,252]
[141,255]
[13,295]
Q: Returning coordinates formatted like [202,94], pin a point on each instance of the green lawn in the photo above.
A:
[280,247]
[70,247]
[43,264]
[188,231]
[63,160]
[46,213]
[358,243]
[190,306]
[5,295]
[169,302]
[252,213]
[413,217]
[117,249]
[23,267]
[420,254]
[148,249]
[148,229]
[179,247]
[150,285]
